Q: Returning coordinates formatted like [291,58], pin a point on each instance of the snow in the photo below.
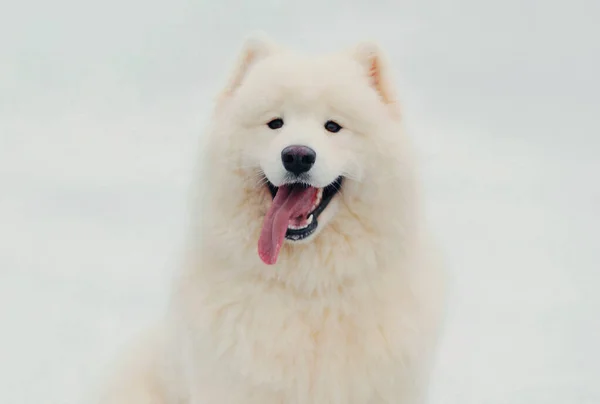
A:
[101,109]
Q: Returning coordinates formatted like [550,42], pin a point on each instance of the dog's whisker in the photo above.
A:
[352,177]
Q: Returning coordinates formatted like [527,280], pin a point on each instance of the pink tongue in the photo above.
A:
[289,202]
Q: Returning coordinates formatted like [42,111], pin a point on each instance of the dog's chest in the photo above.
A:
[328,350]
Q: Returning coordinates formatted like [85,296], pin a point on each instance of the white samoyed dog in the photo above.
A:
[309,278]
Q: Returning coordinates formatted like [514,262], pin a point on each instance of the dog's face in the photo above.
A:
[302,129]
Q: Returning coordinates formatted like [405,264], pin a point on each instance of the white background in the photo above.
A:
[101,108]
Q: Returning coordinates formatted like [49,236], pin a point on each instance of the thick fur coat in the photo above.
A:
[350,315]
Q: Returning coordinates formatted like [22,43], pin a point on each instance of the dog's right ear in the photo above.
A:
[256,47]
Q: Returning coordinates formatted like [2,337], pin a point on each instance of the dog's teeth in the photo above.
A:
[308,222]
[319,197]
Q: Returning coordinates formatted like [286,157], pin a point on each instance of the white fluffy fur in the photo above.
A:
[351,316]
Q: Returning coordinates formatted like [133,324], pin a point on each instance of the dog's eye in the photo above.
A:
[332,126]
[275,123]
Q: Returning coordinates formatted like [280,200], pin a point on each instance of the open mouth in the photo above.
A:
[304,224]
[293,215]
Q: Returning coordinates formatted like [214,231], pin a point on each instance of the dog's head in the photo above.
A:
[310,137]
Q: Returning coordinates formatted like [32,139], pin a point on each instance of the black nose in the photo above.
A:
[298,159]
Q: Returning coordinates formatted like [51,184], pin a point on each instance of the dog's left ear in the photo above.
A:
[377,70]
[256,47]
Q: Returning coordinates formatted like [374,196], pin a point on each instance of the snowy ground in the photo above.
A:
[101,108]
